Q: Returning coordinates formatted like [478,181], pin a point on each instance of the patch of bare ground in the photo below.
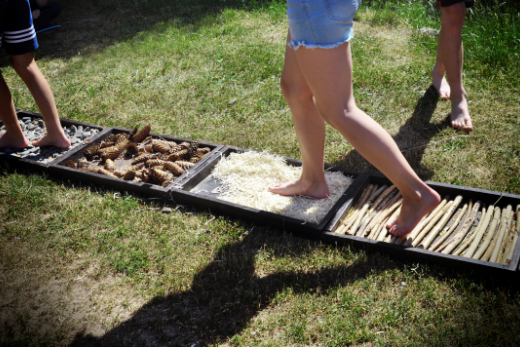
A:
[62,298]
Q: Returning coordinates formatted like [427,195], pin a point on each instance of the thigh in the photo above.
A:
[292,76]
[328,73]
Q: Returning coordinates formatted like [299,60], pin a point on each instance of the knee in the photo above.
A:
[23,64]
[453,17]
[294,90]
[338,117]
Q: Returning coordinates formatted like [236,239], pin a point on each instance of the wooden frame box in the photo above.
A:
[197,191]
[419,254]
[60,168]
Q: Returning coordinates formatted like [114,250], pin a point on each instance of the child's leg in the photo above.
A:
[27,69]
[438,78]
[13,136]
[310,130]
[328,73]
[450,50]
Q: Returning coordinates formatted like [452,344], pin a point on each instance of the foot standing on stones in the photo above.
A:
[450,61]
[317,85]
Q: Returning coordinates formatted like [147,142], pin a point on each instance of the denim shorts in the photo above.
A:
[321,23]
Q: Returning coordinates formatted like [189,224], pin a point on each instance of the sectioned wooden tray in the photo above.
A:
[199,190]
[59,168]
[418,254]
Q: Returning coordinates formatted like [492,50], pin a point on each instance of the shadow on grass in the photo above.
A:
[413,138]
[227,294]
[95,25]
[223,299]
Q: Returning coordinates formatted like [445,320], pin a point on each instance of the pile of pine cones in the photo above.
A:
[152,160]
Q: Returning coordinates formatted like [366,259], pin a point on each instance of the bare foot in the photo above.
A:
[56,141]
[316,191]
[442,87]
[460,118]
[413,210]
[7,141]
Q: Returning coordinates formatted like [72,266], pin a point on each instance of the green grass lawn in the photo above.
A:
[84,266]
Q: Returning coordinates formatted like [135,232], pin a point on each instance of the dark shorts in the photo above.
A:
[17,33]
[446,3]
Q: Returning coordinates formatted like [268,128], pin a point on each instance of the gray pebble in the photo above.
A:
[166,209]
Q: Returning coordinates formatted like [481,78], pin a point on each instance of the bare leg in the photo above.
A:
[27,69]
[310,130]
[13,137]
[438,79]
[328,73]
[450,59]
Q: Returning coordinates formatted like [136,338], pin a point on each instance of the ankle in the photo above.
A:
[418,193]
[438,71]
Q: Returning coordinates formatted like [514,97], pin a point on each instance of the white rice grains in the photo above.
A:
[247,176]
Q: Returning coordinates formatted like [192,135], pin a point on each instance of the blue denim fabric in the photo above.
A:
[321,23]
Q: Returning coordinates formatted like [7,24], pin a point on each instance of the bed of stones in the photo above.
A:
[34,129]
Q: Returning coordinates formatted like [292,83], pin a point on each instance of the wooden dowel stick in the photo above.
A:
[351,215]
[479,233]
[422,223]
[373,226]
[507,232]
[432,222]
[363,212]
[359,206]
[373,211]
[508,241]
[470,235]
[487,240]
[440,248]
[384,231]
[503,229]
[447,215]
[447,234]
[489,251]
[379,228]
[509,256]
[457,239]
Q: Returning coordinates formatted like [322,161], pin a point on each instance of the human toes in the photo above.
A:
[398,231]
[391,225]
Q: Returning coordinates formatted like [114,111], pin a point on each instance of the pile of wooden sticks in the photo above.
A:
[474,230]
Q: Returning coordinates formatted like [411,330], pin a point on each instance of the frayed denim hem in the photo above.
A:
[295,45]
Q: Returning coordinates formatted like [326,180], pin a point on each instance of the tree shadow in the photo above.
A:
[223,298]
[413,138]
[96,25]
